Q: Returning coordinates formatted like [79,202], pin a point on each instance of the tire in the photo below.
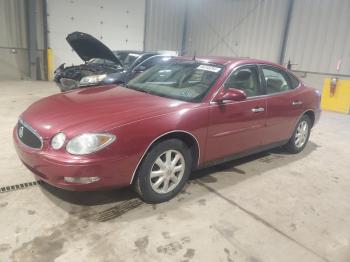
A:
[156,171]
[299,139]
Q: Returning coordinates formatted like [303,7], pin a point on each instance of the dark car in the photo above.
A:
[127,57]
[102,66]
[173,118]
[140,64]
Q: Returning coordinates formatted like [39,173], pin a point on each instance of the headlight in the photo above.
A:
[89,143]
[58,140]
[92,80]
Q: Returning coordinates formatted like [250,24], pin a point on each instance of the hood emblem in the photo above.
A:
[20,131]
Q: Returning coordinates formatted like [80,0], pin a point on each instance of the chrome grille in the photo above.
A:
[28,136]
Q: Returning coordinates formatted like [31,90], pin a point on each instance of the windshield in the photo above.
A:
[131,58]
[126,57]
[102,62]
[121,55]
[183,80]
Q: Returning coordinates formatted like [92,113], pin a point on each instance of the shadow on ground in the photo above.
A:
[103,206]
[277,156]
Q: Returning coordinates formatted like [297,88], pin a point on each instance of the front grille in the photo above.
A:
[28,135]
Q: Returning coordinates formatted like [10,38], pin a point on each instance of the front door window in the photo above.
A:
[245,79]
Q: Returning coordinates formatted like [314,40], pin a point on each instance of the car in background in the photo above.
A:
[176,117]
[131,69]
[101,65]
[127,57]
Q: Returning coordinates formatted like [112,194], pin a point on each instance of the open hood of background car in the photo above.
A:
[88,47]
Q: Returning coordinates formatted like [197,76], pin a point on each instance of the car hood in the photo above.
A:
[96,109]
[88,47]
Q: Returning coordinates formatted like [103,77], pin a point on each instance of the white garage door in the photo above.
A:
[119,24]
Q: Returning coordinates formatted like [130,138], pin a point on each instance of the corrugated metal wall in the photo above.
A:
[319,36]
[13,40]
[247,28]
[14,56]
[164,24]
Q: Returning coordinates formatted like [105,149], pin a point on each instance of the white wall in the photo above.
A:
[118,24]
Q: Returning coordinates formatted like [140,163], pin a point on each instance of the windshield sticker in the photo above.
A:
[209,68]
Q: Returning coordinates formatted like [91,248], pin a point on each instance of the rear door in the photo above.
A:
[284,105]
[237,127]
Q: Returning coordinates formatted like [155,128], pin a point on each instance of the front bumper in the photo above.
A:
[51,168]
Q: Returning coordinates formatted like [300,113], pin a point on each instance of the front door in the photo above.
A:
[236,127]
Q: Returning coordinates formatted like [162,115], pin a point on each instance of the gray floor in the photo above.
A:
[268,207]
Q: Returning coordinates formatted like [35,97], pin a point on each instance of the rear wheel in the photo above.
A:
[164,171]
[300,136]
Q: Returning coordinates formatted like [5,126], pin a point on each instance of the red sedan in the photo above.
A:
[168,121]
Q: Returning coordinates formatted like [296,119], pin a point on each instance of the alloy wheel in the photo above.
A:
[301,134]
[167,171]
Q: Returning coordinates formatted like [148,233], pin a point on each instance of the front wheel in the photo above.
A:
[164,171]
[300,136]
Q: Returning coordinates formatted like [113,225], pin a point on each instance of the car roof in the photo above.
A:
[129,51]
[224,60]
[149,53]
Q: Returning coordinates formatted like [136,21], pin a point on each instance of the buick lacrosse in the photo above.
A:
[175,117]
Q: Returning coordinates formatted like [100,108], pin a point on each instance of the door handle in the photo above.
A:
[297,103]
[258,109]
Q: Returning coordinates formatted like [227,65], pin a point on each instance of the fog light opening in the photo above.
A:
[81,180]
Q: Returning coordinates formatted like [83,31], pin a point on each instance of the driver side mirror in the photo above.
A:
[230,94]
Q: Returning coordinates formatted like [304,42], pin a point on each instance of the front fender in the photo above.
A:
[135,139]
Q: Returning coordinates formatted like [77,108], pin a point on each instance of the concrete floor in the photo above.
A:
[267,207]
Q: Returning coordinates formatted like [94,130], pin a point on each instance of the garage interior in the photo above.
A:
[271,206]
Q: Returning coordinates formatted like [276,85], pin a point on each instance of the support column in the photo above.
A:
[32,39]
[286,31]
[184,30]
